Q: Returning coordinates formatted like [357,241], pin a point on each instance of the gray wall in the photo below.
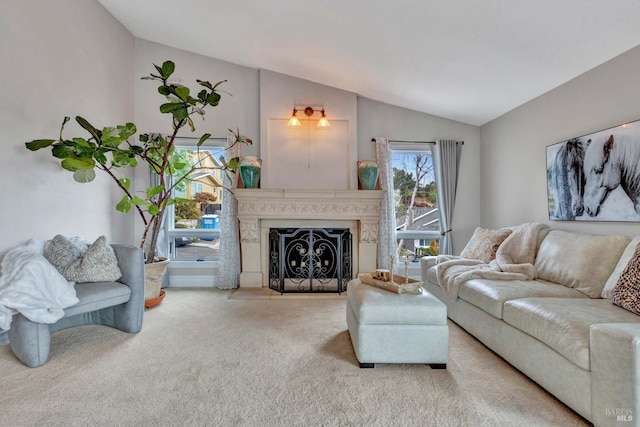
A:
[512,158]
[62,58]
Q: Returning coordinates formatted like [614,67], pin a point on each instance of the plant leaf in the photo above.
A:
[126,182]
[219,83]
[61,151]
[203,138]
[124,205]
[153,210]
[233,164]
[139,201]
[74,163]
[84,175]
[213,99]
[183,93]
[205,84]
[89,127]
[168,67]
[180,113]
[154,191]
[120,158]
[170,107]
[37,144]
[81,142]
[100,157]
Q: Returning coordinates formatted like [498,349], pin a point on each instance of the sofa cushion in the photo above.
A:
[580,261]
[564,323]
[490,295]
[612,281]
[484,243]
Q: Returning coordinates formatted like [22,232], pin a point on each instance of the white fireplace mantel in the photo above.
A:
[259,206]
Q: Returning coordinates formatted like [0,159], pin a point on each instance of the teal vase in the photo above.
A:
[250,171]
[368,174]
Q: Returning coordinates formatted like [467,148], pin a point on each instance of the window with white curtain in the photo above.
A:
[193,222]
[416,204]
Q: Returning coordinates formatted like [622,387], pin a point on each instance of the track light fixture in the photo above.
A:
[308,111]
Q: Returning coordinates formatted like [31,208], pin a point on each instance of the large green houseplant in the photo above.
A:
[109,150]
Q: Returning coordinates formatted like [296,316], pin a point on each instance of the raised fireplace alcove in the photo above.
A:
[260,210]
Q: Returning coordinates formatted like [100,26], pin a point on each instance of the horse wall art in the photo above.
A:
[596,177]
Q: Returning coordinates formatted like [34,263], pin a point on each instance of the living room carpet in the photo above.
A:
[204,359]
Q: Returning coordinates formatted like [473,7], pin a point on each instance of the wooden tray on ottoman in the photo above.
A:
[397,285]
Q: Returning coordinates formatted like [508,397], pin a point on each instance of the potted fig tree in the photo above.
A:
[109,150]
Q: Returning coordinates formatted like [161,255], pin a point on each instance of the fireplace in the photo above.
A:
[309,259]
[260,210]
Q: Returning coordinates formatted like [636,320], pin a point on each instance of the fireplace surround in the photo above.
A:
[259,210]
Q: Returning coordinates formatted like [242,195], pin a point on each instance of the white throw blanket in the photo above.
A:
[33,287]
[514,261]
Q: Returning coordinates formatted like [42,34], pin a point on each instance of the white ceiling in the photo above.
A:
[467,60]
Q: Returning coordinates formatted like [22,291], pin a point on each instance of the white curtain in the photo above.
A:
[387,242]
[447,164]
[229,264]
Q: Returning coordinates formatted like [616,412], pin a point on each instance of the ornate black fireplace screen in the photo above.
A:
[309,259]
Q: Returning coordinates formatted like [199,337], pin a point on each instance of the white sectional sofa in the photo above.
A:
[561,329]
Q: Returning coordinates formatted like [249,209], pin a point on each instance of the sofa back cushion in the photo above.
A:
[580,261]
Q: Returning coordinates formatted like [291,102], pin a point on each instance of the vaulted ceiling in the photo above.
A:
[466,60]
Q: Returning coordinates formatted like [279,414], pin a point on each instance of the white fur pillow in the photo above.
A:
[484,243]
[98,263]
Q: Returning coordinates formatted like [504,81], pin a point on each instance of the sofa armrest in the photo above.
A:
[615,374]
[426,262]
[131,263]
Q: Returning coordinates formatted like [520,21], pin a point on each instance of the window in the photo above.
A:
[193,222]
[417,217]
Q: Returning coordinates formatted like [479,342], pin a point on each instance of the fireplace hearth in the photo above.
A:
[309,259]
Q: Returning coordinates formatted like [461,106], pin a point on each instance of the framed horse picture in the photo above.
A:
[596,177]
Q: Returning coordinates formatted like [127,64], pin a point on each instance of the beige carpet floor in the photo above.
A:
[204,359]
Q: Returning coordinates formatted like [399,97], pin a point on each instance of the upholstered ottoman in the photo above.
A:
[396,328]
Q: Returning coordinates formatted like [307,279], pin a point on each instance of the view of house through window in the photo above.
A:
[194,227]
[417,220]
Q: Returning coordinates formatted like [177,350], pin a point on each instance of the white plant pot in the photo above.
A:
[153,277]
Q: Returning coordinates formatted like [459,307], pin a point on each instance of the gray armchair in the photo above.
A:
[119,305]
